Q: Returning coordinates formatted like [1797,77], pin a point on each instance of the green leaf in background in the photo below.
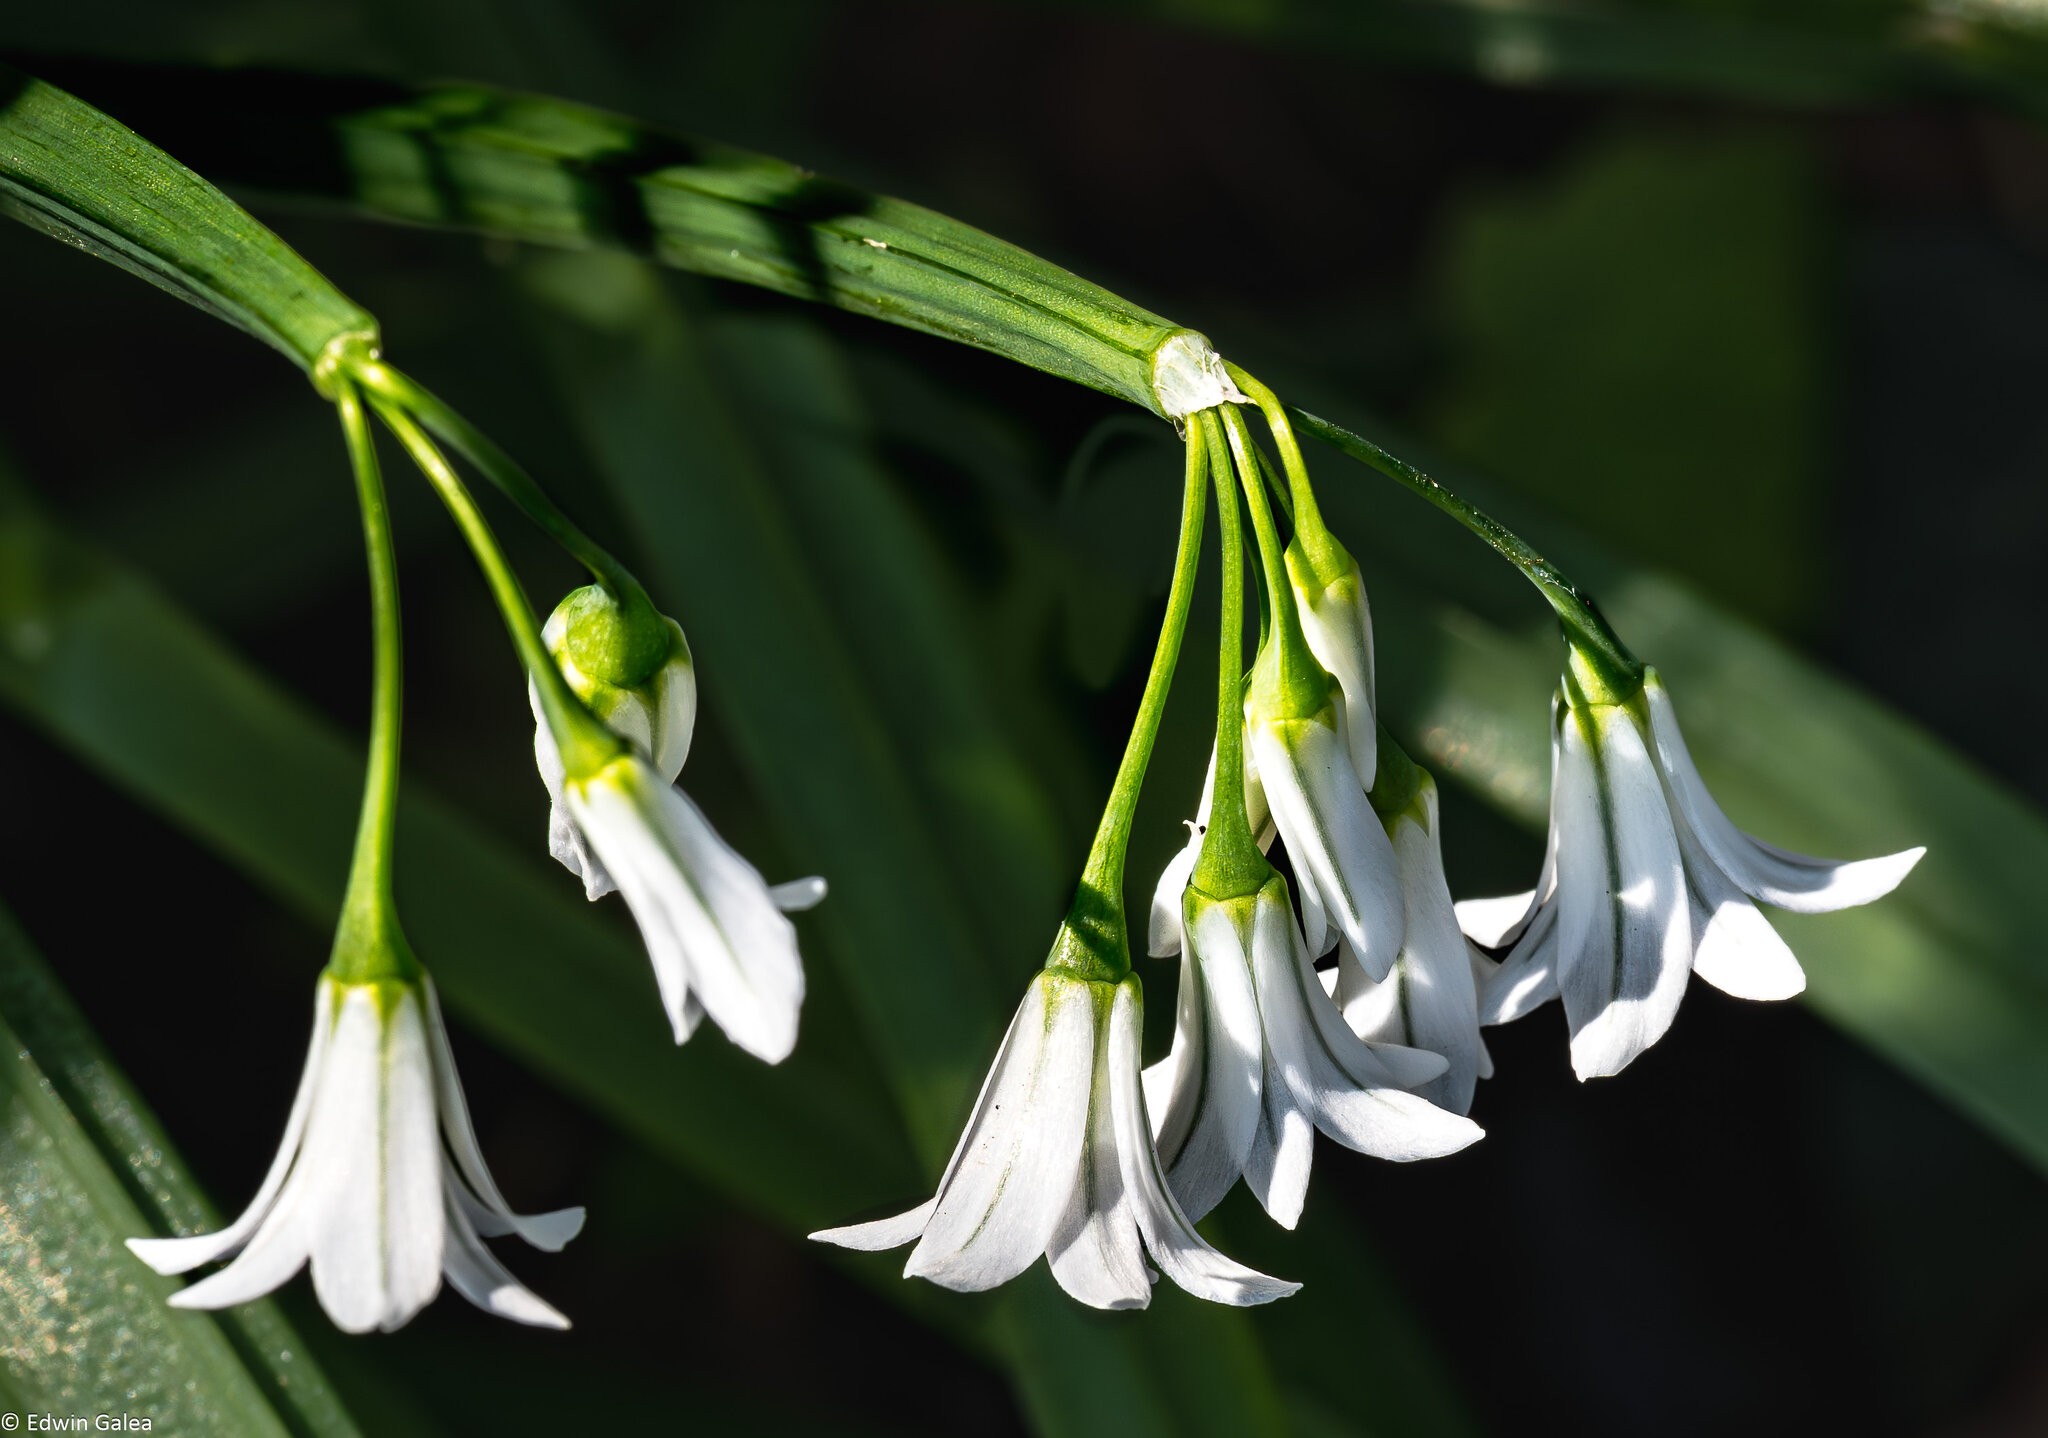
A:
[1637,340]
[84,1328]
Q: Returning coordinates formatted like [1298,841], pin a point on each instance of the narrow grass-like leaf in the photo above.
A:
[72,171]
[84,1328]
[555,173]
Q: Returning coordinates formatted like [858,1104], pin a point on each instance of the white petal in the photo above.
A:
[798,895]
[1624,928]
[1435,1006]
[1181,1253]
[1283,1150]
[545,1231]
[1338,625]
[477,1275]
[1315,921]
[675,707]
[710,925]
[1527,978]
[1022,1155]
[1163,936]
[1335,1077]
[344,1170]
[1735,948]
[1332,834]
[894,1232]
[1223,1087]
[1173,1086]
[1096,1254]
[1797,882]
[882,1232]
[181,1255]
[565,841]
[279,1250]
[410,1138]
[1496,923]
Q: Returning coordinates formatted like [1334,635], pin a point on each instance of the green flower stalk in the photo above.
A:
[1261,1058]
[1058,1158]
[379,1184]
[718,936]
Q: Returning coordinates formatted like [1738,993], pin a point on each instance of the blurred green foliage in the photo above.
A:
[917,581]
[1638,338]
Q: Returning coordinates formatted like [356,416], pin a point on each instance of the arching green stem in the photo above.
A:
[1230,863]
[1302,681]
[585,743]
[1301,504]
[1095,939]
[1585,628]
[368,944]
[502,470]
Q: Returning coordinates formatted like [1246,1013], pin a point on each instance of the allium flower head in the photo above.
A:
[379,1183]
[1645,880]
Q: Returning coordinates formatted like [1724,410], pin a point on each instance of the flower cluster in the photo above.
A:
[1352,1002]
[380,1184]
[1344,995]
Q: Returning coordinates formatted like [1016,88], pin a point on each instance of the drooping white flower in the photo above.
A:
[1058,1160]
[1430,999]
[716,932]
[1343,860]
[656,714]
[379,1183]
[1262,1058]
[1645,879]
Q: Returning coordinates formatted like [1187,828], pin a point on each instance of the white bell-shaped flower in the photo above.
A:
[715,930]
[1058,1160]
[1343,860]
[635,675]
[379,1183]
[717,933]
[1644,880]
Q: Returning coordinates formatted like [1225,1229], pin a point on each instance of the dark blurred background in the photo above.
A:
[1788,352]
